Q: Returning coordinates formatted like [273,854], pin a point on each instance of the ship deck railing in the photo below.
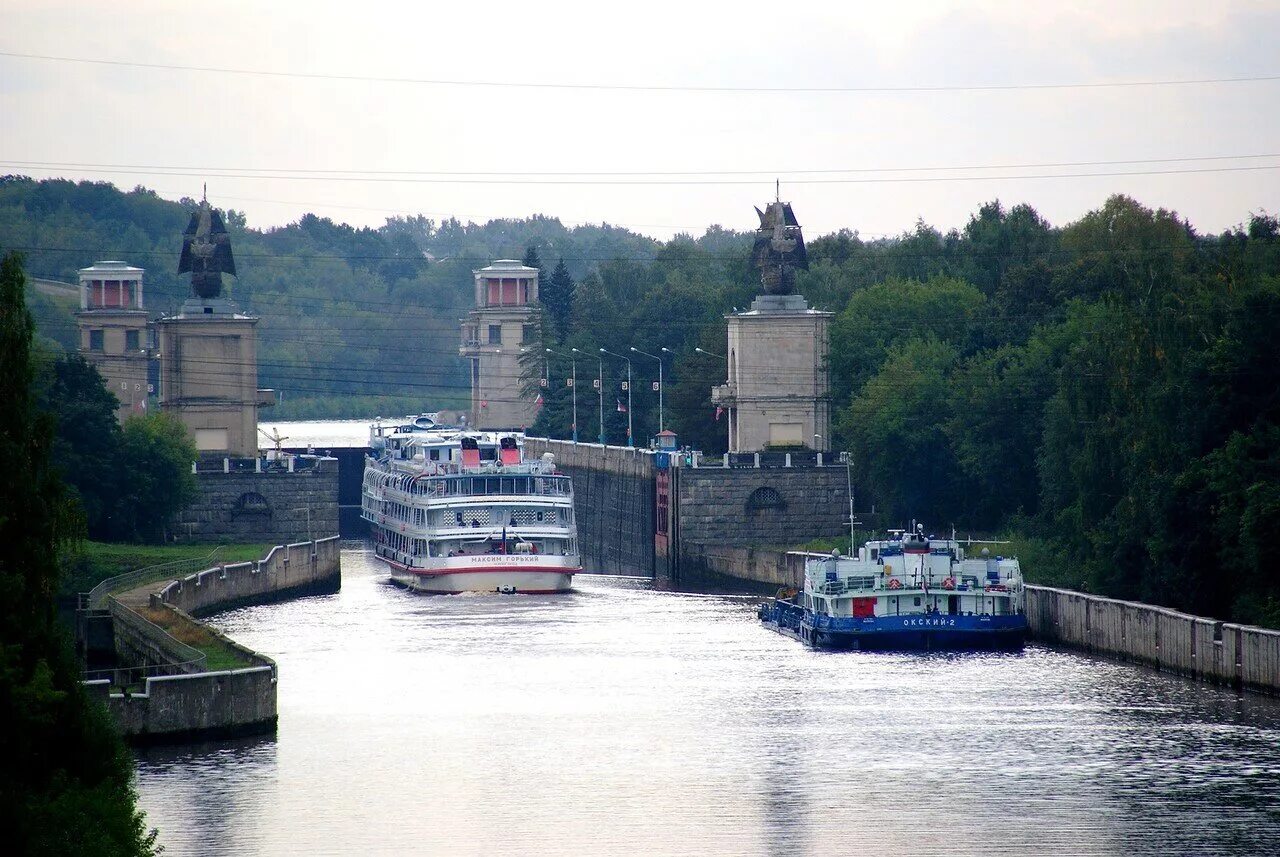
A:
[914,585]
[430,468]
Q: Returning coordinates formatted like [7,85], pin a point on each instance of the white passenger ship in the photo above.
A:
[455,511]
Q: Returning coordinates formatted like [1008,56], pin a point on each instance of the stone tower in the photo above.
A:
[113,332]
[776,395]
[503,322]
[208,351]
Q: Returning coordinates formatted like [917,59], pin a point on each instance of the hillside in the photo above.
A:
[353,320]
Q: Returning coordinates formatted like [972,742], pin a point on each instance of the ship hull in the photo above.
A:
[513,579]
[922,632]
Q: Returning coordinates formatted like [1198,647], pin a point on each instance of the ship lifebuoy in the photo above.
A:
[894,583]
[949,583]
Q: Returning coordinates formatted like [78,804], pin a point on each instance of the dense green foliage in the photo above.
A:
[345,311]
[1105,391]
[66,781]
[129,480]
[92,562]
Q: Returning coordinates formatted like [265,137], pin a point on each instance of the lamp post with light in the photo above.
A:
[661,423]
[573,386]
[630,437]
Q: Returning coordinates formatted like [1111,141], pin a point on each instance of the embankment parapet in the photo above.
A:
[1242,656]
[189,704]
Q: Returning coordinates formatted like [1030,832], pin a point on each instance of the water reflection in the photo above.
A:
[621,720]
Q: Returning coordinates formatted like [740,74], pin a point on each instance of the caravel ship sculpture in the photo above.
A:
[779,249]
[206,252]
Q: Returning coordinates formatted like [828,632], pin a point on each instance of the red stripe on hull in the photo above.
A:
[427,572]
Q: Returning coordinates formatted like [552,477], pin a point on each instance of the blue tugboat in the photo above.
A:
[910,591]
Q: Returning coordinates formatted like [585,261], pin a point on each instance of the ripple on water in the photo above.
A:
[621,720]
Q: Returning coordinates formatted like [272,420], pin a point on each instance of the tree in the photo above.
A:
[87,441]
[531,259]
[157,453]
[895,429]
[557,297]
[66,781]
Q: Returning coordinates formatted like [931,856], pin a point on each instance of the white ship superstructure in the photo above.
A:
[455,511]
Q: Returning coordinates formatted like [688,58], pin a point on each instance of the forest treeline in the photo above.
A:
[1104,391]
[352,318]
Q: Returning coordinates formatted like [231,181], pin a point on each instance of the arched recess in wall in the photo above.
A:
[765,499]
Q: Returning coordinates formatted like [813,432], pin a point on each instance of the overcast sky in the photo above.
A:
[154,121]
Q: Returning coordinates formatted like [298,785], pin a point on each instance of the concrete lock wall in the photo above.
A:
[246,506]
[1241,656]
[761,506]
[613,489]
[286,571]
[771,568]
[1222,652]
[615,499]
[189,704]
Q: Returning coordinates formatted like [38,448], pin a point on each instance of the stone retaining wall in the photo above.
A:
[613,502]
[1241,656]
[760,506]
[203,705]
[757,565]
[244,506]
[285,572]
[1221,652]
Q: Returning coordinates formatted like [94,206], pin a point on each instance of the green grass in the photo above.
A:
[218,654]
[93,562]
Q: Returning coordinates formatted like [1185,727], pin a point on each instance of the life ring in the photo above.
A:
[949,583]
[894,583]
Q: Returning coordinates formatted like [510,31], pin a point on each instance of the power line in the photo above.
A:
[607,87]
[379,179]
[767,173]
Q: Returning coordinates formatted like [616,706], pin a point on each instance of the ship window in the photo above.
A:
[457,518]
[539,514]
[917,602]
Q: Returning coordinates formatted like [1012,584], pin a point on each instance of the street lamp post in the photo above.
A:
[726,373]
[661,424]
[630,437]
[600,389]
[573,387]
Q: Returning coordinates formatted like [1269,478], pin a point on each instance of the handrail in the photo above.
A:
[188,655]
[96,597]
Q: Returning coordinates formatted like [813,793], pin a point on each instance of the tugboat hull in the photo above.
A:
[897,633]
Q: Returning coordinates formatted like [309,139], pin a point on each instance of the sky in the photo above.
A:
[938,108]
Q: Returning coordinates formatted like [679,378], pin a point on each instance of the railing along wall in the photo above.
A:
[96,597]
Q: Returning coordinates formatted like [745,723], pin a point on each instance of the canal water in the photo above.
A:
[622,720]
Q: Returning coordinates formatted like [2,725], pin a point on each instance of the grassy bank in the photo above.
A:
[219,654]
[93,562]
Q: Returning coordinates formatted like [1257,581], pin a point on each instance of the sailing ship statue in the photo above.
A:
[206,252]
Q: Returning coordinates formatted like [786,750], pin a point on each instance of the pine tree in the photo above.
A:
[66,779]
[557,296]
[531,259]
